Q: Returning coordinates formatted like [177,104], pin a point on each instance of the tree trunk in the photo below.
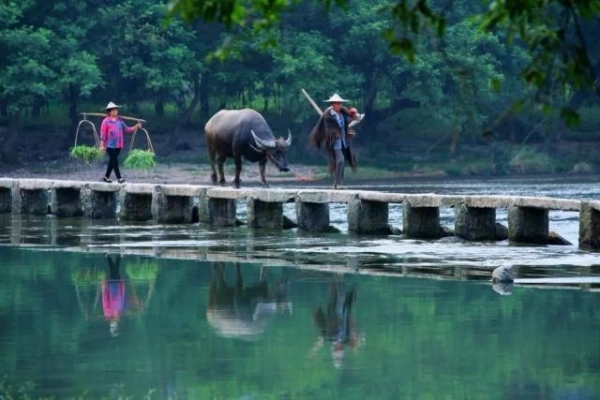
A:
[186,116]
[159,108]
[205,104]
[73,102]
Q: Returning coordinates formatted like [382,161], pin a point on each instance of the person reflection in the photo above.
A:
[113,294]
[335,323]
[244,311]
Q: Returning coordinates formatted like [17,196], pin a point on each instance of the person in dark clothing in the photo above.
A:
[111,139]
[333,131]
[334,322]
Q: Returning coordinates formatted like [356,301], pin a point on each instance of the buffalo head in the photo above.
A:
[274,149]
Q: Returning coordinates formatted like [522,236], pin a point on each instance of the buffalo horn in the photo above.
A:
[288,141]
[268,144]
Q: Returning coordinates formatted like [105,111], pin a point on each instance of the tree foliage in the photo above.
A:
[466,63]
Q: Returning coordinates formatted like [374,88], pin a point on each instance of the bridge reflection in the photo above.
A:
[236,245]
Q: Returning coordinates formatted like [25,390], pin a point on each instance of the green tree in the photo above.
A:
[28,74]
[551,30]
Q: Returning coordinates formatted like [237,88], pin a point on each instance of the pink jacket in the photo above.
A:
[111,132]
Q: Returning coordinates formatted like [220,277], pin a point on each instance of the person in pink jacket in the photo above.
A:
[112,130]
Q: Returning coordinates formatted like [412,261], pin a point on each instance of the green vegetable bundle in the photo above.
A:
[140,159]
[141,271]
[88,154]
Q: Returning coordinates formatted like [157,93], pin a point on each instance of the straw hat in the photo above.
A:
[111,105]
[335,99]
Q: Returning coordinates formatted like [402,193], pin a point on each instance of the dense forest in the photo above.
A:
[469,95]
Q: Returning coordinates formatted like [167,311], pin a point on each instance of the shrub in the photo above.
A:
[527,160]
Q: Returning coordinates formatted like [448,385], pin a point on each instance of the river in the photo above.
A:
[140,310]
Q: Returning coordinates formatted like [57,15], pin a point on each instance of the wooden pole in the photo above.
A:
[94,114]
[315,106]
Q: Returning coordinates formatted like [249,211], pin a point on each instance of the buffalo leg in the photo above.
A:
[238,171]
[261,167]
[212,155]
[220,163]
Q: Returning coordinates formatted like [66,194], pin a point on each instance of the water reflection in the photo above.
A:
[335,323]
[121,290]
[243,311]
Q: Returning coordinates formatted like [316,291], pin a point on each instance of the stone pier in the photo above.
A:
[173,204]
[312,208]
[6,197]
[221,212]
[203,215]
[222,205]
[589,225]
[136,202]
[312,217]
[99,200]
[528,225]
[475,223]
[65,199]
[421,222]
[265,208]
[368,217]
[31,196]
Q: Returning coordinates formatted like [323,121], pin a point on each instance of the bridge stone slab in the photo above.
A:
[486,201]
[273,195]
[326,196]
[432,200]
[546,203]
[382,197]
[228,193]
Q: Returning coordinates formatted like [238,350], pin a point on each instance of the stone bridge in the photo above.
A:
[367,211]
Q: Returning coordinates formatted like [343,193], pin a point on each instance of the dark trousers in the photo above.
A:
[340,164]
[113,162]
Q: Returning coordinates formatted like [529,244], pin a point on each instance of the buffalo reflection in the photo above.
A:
[335,323]
[243,312]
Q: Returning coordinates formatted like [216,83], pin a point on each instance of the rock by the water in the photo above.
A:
[503,274]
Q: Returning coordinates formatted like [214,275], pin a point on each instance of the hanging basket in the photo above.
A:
[86,153]
[141,159]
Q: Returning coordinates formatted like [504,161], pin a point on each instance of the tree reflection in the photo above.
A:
[335,323]
[244,311]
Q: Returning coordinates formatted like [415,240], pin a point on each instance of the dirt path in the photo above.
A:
[174,173]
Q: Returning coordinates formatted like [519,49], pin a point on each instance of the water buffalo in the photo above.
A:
[243,133]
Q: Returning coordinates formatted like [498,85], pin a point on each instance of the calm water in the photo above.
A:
[109,310]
